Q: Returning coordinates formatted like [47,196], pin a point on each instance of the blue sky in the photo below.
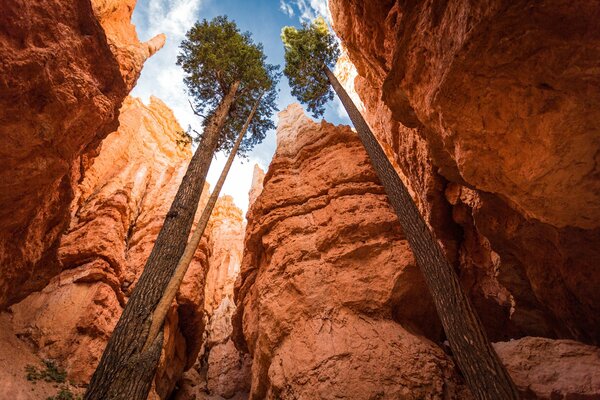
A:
[163,79]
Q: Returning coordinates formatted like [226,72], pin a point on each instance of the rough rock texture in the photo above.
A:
[65,68]
[15,358]
[221,371]
[488,110]
[327,276]
[552,369]
[116,215]
[226,232]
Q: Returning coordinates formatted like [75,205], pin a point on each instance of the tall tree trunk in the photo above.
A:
[184,262]
[125,371]
[485,375]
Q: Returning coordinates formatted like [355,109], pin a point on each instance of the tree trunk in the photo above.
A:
[485,375]
[184,262]
[125,372]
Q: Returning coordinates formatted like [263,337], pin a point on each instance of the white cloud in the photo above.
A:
[162,78]
[286,8]
[308,10]
[173,17]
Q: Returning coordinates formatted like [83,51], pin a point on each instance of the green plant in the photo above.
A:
[65,394]
[51,373]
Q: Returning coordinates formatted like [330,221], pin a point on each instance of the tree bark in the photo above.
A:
[125,371]
[486,376]
[184,262]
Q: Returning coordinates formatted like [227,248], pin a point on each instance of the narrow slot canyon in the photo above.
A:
[304,286]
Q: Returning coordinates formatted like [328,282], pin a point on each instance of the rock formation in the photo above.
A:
[221,371]
[258,175]
[66,68]
[327,276]
[488,111]
[552,369]
[116,214]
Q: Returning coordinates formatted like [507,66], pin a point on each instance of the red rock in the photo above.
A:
[118,210]
[66,68]
[15,358]
[326,277]
[221,371]
[226,244]
[258,175]
[552,369]
[494,100]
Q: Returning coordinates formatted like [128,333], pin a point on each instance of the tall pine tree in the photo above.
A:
[226,72]
[310,52]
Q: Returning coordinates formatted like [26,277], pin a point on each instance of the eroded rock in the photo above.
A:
[552,369]
[66,68]
[494,101]
[326,277]
[117,213]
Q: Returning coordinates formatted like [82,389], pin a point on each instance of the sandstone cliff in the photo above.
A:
[327,276]
[66,68]
[330,303]
[488,110]
[116,214]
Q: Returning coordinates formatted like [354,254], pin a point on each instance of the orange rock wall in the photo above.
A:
[221,370]
[327,279]
[66,68]
[116,215]
[489,112]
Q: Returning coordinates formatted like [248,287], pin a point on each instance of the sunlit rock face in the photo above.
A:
[227,231]
[116,215]
[114,16]
[327,279]
[258,175]
[66,68]
[488,110]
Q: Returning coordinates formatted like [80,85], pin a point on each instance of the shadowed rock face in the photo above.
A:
[221,370]
[116,215]
[552,369]
[326,276]
[488,112]
[66,68]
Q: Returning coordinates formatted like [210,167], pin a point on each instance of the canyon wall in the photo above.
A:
[330,303]
[66,68]
[115,217]
[329,297]
[489,112]
[221,371]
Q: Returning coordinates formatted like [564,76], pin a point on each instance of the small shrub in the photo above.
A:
[52,373]
[65,394]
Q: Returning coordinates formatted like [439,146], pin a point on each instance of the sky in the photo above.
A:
[162,78]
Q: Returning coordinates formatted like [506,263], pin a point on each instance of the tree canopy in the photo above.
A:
[215,55]
[307,51]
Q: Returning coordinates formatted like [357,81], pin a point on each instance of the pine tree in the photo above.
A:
[310,52]
[225,74]
[162,308]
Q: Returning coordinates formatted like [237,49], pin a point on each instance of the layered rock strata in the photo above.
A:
[66,68]
[328,277]
[488,111]
[117,212]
